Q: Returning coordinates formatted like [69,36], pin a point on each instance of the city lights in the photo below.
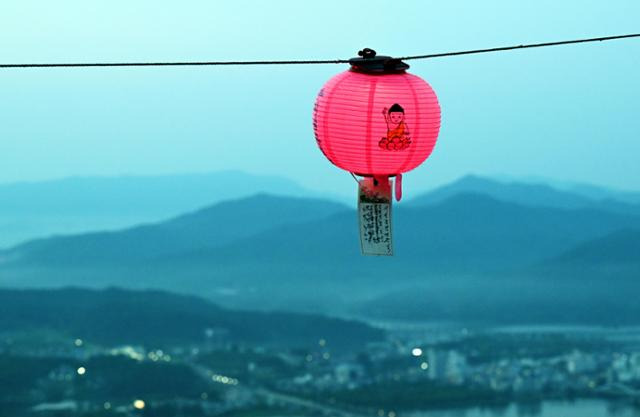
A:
[224,379]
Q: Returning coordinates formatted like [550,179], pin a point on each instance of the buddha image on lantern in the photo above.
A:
[398,137]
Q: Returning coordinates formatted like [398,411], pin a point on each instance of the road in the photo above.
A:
[306,403]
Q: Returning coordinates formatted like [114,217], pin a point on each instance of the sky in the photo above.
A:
[567,113]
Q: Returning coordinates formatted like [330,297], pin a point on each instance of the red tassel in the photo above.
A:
[398,187]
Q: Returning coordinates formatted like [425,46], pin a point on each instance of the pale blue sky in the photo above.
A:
[565,113]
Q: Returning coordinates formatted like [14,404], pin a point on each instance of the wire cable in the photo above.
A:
[317,61]
[168,64]
[509,48]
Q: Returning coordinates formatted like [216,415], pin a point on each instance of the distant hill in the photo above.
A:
[619,247]
[464,232]
[75,205]
[301,254]
[530,194]
[512,301]
[613,258]
[595,192]
[597,282]
[594,283]
[153,318]
[590,191]
[207,228]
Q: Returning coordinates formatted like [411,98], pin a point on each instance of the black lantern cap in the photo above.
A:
[371,63]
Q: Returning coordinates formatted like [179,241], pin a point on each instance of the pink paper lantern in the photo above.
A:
[376,119]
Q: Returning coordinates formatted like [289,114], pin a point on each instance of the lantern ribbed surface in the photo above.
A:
[376,124]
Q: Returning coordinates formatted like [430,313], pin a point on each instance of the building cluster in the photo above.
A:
[575,372]
[316,371]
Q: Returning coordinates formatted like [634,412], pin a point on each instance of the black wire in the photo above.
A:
[170,64]
[327,61]
[509,48]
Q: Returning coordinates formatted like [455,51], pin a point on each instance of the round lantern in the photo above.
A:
[376,120]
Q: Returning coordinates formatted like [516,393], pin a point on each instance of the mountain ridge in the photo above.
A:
[114,316]
[282,252]
[85,204]
[468,235]
[191,230]
[531,194]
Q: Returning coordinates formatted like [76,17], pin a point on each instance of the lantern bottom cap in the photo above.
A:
[374,175]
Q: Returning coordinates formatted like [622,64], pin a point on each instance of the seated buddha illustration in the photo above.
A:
[398,137]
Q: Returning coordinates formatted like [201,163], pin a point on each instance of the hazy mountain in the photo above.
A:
[464,232]
[513,301]
[614,258]
[595,282]
[532,194]
[601,193]
[590,191]
[74,205]
[617,248]
[115,317]
[207,228]
[280,252]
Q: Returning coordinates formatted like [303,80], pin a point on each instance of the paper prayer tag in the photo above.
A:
[374,214]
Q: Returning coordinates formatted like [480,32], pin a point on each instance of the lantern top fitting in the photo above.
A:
[370,63]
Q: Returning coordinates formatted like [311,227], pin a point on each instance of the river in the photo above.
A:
[578,408]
